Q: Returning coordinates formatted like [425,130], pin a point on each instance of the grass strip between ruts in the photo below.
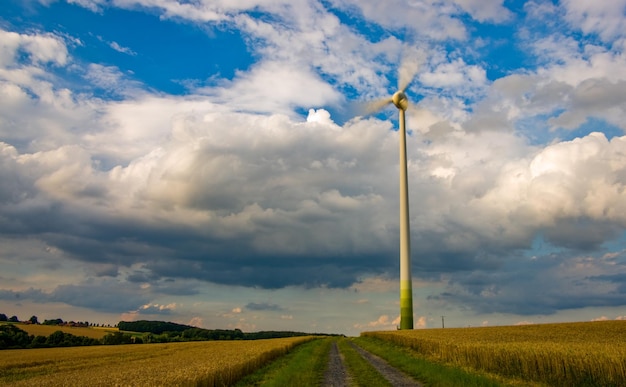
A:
[362,373]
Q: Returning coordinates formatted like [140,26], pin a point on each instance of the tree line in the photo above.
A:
[53,321]
[161,330]
[12,337]
[130,332]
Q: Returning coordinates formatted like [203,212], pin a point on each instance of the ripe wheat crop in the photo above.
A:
[592,353]
[47,330]
[207,363]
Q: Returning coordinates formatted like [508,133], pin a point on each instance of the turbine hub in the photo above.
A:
[399,99]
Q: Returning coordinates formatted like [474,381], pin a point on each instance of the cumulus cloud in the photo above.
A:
[605,19]
[157,309]
[489,11]
[275,87]
[232,184]
[384,322]
[437,22]
[38,48]
[280,218]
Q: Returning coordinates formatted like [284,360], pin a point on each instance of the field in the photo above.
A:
[209,363]
[592,353]
[580,354]
[47,330]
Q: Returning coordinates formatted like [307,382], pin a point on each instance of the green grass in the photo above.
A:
[429,373]
[304,366]
[362,373]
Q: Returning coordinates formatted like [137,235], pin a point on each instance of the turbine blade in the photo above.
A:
[366,108]
[374,107]
[407,71]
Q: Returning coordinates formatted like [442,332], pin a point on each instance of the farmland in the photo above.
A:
[581,354]
[558,354]
[205,363]
[47,330]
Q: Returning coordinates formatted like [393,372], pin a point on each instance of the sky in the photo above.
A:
[210,162]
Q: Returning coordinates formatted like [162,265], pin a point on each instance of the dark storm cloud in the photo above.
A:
[105,298]
[581,233]
[98,296]
[271,272]
[29,294]
[541,285]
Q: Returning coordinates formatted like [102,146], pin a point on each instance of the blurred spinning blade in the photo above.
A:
[374,107]
[406,73]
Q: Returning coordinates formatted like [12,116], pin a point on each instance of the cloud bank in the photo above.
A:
[516,180]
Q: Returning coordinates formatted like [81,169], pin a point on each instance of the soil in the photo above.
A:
[336,374]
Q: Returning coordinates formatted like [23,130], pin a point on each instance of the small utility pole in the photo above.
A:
[442,323]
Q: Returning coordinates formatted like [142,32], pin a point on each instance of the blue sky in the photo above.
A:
[209,162]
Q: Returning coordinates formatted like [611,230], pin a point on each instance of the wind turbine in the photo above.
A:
[400,100]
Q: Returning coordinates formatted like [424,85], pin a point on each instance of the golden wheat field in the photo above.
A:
[47,330]
[569,354]
[206,363]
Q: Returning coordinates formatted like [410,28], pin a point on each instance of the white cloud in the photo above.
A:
[606,18]
[196,322]
[455,74]
[107,77]
[384,322]
[489,11]
[275,87]
[124,50]
[436,22]
[157,309]
[93,5]
[40,48]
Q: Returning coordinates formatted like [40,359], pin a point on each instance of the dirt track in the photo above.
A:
[337,375]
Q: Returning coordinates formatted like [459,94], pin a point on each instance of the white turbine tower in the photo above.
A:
[406,287]
[399,99]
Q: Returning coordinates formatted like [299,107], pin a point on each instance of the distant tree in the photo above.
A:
[13,337]
[33,320]
[39,342]
[156,327]
[3,317]
[56,339]
[13,319]
[62,339]
[117,338]
[56,321]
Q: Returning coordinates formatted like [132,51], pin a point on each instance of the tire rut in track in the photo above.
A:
[336,374]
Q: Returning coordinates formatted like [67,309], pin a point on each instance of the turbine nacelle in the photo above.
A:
[400,100]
